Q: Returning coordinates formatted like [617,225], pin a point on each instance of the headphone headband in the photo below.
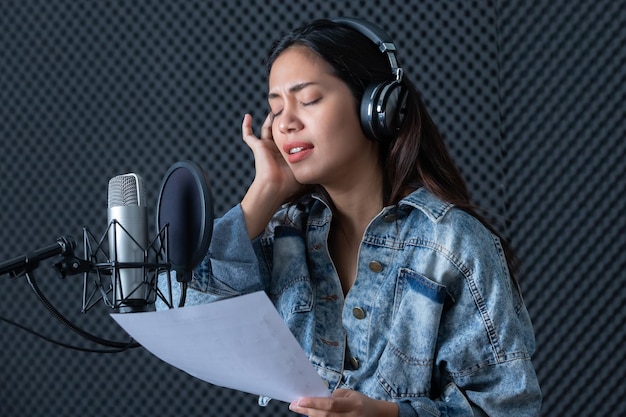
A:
[377,35]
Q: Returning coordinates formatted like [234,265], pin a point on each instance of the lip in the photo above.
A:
[297,151]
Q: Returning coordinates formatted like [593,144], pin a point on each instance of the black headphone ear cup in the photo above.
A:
[383,108]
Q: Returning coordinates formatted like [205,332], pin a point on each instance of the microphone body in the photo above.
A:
[127,215]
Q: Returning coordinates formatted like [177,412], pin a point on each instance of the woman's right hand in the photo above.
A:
[274,182]
[270,166]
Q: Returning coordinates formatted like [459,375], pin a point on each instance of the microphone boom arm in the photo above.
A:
[21,265]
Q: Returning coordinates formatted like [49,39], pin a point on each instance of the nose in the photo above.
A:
[289,122]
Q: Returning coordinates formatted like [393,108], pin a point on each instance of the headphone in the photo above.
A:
[383,105]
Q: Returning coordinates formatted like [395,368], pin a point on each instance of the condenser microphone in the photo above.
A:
[128,240]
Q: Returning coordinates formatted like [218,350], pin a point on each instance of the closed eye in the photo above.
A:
[309,103]
[275,114]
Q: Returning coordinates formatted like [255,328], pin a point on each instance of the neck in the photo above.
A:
[354,209]
[357,205]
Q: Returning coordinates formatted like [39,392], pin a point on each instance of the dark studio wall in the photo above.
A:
[528,94]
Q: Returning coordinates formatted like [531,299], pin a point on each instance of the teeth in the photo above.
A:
[295,150]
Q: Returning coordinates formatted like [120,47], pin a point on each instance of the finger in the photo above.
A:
[266,129]
[307,405]
[246,129]
[341,400]
[246,125]
[341,392]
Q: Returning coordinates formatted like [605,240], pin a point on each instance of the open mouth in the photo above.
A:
[296,150]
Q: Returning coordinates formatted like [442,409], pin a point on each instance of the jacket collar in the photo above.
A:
[427,202]
[420,199]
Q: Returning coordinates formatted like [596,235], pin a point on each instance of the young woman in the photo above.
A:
[360,229]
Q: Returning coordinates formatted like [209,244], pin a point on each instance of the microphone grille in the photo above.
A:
[126,190]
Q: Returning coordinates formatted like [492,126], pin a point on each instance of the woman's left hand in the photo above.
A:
[345,403]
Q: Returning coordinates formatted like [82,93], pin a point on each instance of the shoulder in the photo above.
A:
[442,215]
[452,230]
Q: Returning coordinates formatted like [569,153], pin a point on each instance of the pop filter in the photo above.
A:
[185,205]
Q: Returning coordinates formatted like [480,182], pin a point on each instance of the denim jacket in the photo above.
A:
[433,321]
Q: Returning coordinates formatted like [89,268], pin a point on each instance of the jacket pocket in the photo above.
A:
[406,364]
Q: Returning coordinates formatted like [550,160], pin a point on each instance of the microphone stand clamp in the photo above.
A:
[72,265]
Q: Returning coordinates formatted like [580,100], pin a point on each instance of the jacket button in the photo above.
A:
[354,362]
[358,312]
[376,266]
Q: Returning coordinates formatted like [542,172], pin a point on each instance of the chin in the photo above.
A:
[305,178]
[305,181]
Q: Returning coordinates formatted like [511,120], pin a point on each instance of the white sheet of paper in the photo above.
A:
[239,343]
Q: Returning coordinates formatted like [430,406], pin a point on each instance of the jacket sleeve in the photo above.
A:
[485,395]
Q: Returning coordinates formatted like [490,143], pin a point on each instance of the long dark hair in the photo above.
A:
[417,157]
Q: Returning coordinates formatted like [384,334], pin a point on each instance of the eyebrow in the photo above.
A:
[293,89]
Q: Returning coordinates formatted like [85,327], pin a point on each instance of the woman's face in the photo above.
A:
[316,125]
